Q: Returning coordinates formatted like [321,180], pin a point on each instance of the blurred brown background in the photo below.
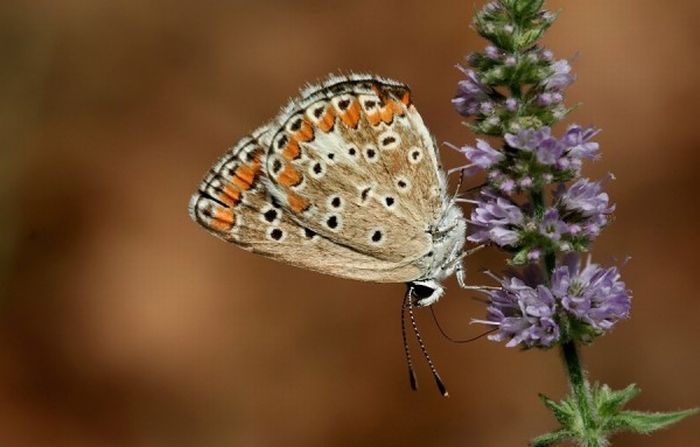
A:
[124,324]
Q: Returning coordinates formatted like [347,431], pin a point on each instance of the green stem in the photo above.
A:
[581,391]
[537,197]
[577,379]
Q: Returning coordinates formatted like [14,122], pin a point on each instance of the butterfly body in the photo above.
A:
[345,181]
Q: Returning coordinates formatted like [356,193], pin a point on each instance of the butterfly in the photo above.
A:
[345,181]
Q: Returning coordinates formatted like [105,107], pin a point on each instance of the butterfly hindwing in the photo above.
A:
[353,161]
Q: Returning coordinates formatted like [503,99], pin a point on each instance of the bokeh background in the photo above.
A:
[124,324]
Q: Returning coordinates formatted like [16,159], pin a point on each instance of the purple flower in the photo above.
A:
[564,154]
[471,93]
[577,140]
[544,99]
[523,314]
[540,141]
[493,53]
[547,55]
[561,76]
[493,6]
[593,295]
[495,219]
[483,155]
[486,108]
[528,139]
[585,198]
[548,98]
[549,151]
[511,104]
[552,226]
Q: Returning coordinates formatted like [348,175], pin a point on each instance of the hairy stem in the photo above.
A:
[582,394]
[577,379]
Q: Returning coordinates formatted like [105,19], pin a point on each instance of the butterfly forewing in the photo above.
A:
[234,204]
[352,161]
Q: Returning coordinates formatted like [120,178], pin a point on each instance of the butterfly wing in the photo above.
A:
[234,204]
[353,161]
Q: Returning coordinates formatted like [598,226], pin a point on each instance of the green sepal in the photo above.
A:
[520,257]
[529,37]
[493,28]
[524,9]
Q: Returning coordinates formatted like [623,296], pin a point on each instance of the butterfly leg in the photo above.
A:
[460,273]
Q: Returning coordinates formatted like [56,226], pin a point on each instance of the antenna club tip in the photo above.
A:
[441,386]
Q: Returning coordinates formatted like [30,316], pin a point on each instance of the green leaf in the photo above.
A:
[644,423]
[552,438]
[609,402]
[562,411]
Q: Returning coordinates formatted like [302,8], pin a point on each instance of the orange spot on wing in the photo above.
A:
[240,183]
[246,173]
[291,151]
[352,115]
[406,98]
[289,176]
[231,195]
[223,219]
[327,121]
[387,112]
[297,203]
[374,118]
[398,108]
[306,133]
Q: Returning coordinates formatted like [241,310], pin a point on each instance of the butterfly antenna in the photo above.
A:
[424,350]
[452,339]
[409,361]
